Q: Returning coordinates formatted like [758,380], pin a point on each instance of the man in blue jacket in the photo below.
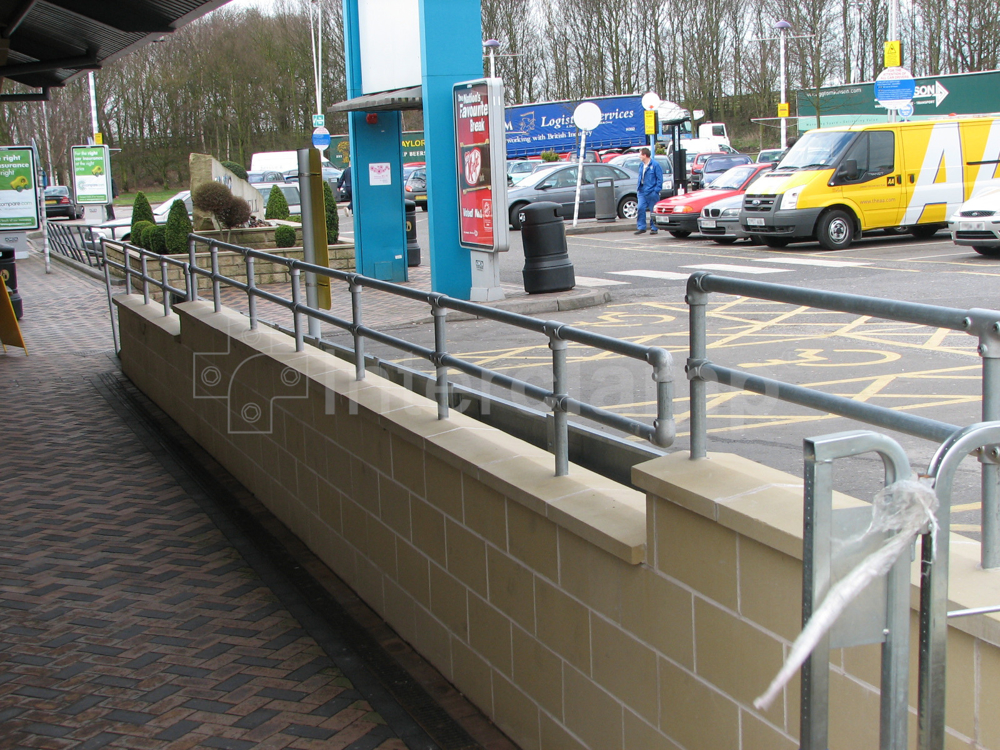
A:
[648,191]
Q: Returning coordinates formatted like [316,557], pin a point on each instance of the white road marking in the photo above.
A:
[594,281]
[808,262]
[666,275]
[737,269]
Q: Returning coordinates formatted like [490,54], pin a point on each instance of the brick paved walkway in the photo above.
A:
[128,618]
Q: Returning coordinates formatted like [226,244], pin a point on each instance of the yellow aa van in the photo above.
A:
[836,183]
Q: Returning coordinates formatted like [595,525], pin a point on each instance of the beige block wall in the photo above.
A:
[549,601]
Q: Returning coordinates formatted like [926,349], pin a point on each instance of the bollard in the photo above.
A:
[412,248]
[546,260]
[8,274]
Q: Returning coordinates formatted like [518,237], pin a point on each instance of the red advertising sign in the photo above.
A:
[475,123]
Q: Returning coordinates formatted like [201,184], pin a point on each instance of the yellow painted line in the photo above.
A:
[966,527]
[966,506]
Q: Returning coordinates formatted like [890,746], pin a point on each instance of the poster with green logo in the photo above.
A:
[91,174]
[18,189]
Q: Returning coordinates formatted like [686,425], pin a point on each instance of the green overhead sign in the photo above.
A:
[18,189]
[935,96]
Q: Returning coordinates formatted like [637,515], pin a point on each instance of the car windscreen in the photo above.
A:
[817,150]
[58,190]
[721,164]
[733,179]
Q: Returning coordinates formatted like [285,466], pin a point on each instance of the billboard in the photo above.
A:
[533,128]
[482,176]
[414,148]
[18,189]
[935,96]
[91,174]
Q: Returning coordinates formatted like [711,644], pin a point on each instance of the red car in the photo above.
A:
[679,215]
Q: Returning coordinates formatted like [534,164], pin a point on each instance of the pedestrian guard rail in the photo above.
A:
[661,432]
[75,241]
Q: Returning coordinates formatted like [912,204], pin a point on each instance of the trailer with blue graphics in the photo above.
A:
[548,126]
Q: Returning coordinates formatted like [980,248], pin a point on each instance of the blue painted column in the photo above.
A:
[379,212]
[451,41]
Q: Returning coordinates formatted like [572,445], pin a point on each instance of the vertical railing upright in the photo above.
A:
[145,277]
[440,350]
[989,456]
[359,339]
[251,297]
[697,301]
[560,418]
[300,343]
[216,282]
[165,279]
[193,261]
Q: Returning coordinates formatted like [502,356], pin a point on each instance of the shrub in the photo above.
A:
[235,213]
[156,238]
[141,210]
[178,228]
[236,169]
[135,237]
[332,217]
[277,206]
[146,236]
[549,156]
[211,197]
[284,236]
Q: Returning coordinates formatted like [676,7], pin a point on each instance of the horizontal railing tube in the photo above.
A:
[880,416]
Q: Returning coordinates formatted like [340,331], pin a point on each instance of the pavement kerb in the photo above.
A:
[581,297]
[600,227]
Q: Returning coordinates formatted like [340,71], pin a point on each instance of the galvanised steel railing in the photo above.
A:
[983,324]
[661,432]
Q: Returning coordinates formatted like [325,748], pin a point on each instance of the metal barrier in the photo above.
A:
[661,432]
[983,324]
[76,241]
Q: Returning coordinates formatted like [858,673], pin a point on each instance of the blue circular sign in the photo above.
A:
[895,89]
[321,138]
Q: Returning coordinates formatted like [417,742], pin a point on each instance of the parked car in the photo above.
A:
[266,176]
[415,187]
[696,162]
[59,202]
[770,156]
[518,169]
[720,221]
[121,229]
[633,163]
[976,223]
[557,183]
[679,215]
[588,156]
[290,190]
[715,166]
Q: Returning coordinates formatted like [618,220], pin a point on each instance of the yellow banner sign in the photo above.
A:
[783,109]
[893,54]
[650,122]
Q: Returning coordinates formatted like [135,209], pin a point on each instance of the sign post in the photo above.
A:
[482,181]
[586,116]
[91,167]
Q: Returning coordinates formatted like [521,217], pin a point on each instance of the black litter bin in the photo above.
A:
[547,267]
[412,248]
[8,275]
[604,199]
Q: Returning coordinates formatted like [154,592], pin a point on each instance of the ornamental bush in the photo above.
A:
[178,228]
[135,237]
[156,238]
[284,236]
[277,206]
[236,169]
[141,210]
[211,197]
[146,236]
[332,217]
[549,156]
[235,213]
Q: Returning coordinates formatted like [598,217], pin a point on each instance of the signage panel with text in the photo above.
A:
[18,189]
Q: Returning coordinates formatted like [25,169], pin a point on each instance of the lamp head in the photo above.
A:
[782,25]
[491,44]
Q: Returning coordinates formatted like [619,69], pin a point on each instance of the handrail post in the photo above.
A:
[665,430]
[985,325]
[359,340]
[251,297]
[107,284]
[165,278]
[193,292]
[188,280]
[697,301]
[145,276]
[560,443]
[127,262]
[300,343]
[216,284]
[440,349]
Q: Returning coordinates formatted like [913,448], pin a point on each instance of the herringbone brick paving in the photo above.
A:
[128,620]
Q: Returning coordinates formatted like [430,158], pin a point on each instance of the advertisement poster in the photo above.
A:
[18,189]
[481,146]
[91,174]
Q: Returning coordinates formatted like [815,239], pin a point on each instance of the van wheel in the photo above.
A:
[895,231]
[775,241]
[925,231]
[755,239]
[680,233]
[991,252]
[835,230]
[515,220]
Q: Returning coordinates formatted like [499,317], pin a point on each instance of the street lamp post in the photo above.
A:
[492,45]
[782,26]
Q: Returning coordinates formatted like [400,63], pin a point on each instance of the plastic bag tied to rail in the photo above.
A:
[905,509]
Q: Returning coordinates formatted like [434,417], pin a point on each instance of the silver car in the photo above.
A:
[557,184]
[720,221]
